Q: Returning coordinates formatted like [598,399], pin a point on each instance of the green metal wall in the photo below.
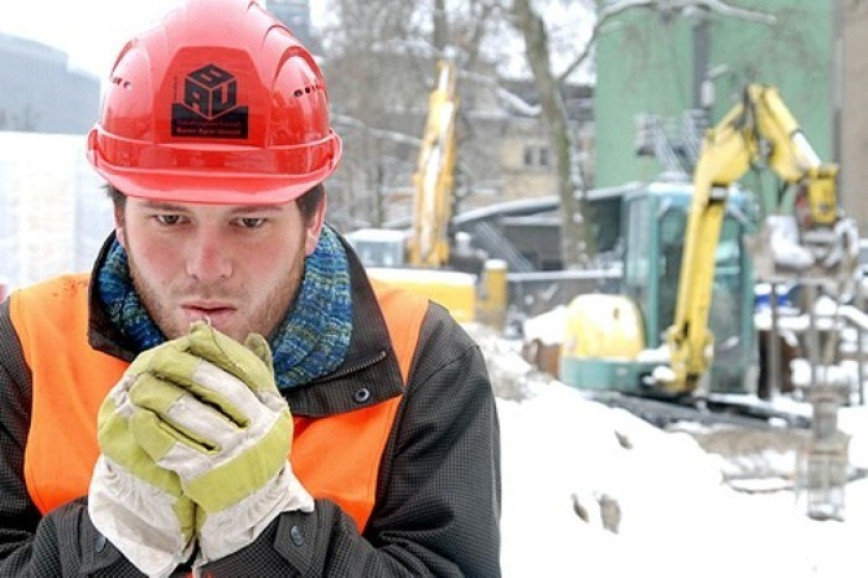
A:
[645,64]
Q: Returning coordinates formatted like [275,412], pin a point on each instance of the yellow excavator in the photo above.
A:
[422,262]
[607,348]
[433,180]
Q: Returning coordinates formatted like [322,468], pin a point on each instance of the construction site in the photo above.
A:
[688,254]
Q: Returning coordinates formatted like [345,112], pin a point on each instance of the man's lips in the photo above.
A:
[213,311]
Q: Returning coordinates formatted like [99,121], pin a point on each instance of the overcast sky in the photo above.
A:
[91,32]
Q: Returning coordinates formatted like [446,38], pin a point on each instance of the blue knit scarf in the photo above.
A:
[310,342]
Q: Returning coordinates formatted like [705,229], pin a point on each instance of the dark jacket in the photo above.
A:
[438,499]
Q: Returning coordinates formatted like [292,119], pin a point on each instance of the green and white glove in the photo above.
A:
[211,412]
[137,505]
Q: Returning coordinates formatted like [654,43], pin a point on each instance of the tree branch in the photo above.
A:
[611,10]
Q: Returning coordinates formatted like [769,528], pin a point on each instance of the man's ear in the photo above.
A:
[313,228]
[120,223]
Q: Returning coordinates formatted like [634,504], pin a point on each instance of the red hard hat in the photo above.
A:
[219,104]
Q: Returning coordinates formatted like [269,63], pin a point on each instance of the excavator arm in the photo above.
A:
[433,180]
[758,132]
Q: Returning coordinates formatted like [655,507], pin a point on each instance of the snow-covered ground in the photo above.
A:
[594,491]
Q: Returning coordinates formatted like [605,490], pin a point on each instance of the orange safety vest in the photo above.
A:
[335,457]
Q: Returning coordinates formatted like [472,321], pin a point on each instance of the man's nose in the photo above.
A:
[208,256]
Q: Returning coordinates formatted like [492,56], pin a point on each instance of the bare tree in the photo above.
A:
[577,242]
[577,239]
[381,67]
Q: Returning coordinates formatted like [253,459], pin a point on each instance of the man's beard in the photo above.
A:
[264,319]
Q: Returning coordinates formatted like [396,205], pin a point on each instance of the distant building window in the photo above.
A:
[536,156]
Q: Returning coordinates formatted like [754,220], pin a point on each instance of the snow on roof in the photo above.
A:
[373,235]
[422,276]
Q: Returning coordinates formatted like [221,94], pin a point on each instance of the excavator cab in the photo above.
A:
[616,342]
[652,264]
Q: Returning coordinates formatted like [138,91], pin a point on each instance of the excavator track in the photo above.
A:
[663,412]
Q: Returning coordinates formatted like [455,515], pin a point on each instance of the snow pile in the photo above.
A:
[548,328]
[594,491]
[576,472]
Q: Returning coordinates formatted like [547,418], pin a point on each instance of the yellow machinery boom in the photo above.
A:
[760,131]
[428,248]
[433,180]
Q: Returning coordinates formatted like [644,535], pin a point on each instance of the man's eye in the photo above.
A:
[168,219]
[251,222]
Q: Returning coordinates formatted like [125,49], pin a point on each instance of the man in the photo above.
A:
[147,426]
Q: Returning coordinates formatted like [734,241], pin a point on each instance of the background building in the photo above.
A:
[39,93]
[295,14]
[851,124]
[54,214]
[681,72]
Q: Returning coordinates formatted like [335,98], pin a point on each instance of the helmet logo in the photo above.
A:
[209,108]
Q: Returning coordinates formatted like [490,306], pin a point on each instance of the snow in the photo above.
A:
[548,328]
[377,236]
[655,503]
[423,277]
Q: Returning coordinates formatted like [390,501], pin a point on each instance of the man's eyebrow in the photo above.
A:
[248,209]
[163,206]
[242,210]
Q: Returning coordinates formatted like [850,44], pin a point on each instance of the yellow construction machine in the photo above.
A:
[423,265]
[433,181]
[607,347]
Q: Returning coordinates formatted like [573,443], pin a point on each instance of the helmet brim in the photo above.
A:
[204,190]
[215,186]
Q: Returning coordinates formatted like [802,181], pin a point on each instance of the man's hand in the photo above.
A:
[210,411]
[138,506]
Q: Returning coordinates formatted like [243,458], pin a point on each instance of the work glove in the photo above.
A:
[210,411]
[136,504]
